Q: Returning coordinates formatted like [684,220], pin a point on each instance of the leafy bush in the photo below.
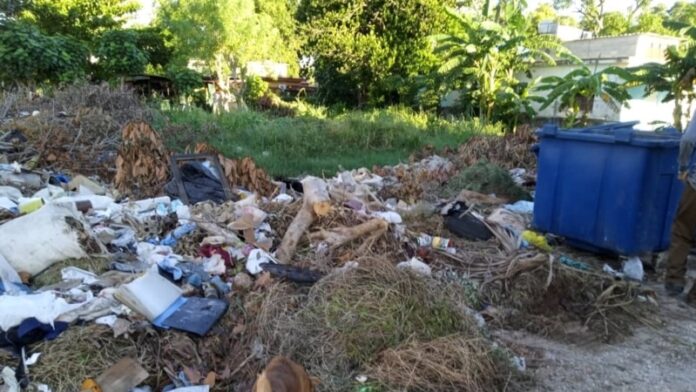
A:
[185,80]
[486,178]
[255,88]
[119,54]
[29,56]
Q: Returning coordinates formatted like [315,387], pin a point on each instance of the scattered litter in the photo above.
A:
[416,266]
[291,273]
[84,185]
[519,363]
[633,269]
[70,273]
[162,302]
[467,224]
[132,274]
[283,198]
[9,278]
[197,388]
[57,233]
[9,380]
[537,240]
[255,259]
[44,307]
[574,263]
[197,178]
[124,375]
[521,207]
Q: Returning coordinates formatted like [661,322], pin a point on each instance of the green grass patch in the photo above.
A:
[317,144]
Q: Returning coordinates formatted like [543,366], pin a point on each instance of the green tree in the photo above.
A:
[562,4]
[152,42]
[482,57]
[542,13]
[282,13]
[653,21]
[367,52]
[614,23]
[675,80]
[683,13]
[592,12]
[119,55]
[547,12]
[29,56]
[222,34]
[81,19]
[185,80]
[576,91]
[11,8]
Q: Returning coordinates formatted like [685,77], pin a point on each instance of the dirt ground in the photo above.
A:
[662,359]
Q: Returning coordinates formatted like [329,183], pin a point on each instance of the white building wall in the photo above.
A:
[626,51]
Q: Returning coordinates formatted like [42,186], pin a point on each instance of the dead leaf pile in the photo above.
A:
[509,151]
[142,165]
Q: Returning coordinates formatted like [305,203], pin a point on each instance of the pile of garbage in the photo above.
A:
[190,271]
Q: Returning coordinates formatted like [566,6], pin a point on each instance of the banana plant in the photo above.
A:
[481,57]
[675,79]
[576,91]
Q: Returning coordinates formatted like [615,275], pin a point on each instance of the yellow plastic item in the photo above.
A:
[89,385]
[537,240]
[31,205]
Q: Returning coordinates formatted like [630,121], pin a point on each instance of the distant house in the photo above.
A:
[622,51]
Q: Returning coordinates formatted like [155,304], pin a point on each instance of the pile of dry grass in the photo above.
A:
[87,351]
[449,363]
[564,302]
[77,128]
[509,151]
[347,319]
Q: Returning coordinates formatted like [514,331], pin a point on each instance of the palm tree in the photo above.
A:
[577,90]
[676,78]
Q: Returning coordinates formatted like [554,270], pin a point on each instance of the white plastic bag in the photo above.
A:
[34,242]
[9,277]
[633,269]
[416,266]
[45,307]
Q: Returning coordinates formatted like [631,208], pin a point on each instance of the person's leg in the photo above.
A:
[683,230]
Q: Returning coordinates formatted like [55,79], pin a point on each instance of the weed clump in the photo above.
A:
[485,177]
[351,319]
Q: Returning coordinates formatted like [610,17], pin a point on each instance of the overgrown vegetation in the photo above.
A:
[307,144]
[348,320]
[361,54]
[486,178]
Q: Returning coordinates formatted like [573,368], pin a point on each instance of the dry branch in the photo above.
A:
[315,201]
[342,235]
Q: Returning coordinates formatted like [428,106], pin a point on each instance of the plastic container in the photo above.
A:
[608,188]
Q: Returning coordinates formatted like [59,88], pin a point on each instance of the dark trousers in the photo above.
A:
[683,231]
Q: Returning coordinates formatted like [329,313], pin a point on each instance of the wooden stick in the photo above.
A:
[316,194]
[316,201]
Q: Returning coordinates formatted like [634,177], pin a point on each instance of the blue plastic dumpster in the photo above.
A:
[608,188]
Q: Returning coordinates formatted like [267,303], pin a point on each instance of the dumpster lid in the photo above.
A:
[617,132]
